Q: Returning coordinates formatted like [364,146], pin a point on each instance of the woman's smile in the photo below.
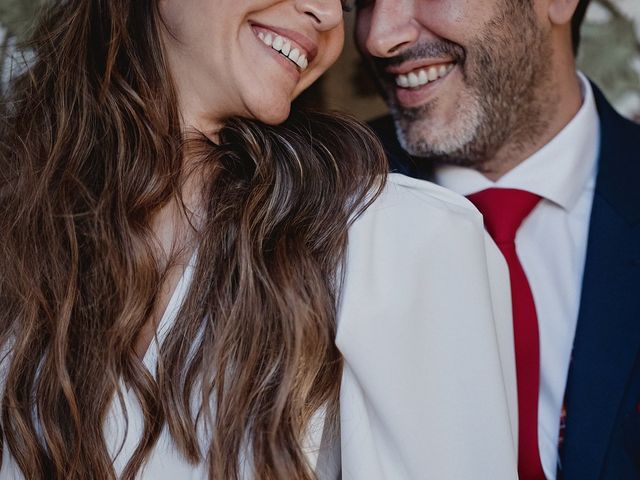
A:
[247,58]
[282,42]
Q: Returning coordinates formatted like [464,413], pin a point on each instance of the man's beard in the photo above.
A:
[507,100]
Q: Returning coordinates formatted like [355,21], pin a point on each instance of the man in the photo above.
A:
[486,100]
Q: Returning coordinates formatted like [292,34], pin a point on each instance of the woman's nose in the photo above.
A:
[326,14]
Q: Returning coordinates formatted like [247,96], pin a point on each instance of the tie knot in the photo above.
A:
[504,210]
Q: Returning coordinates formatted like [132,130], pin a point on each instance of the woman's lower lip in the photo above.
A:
[288,64]
[415,97]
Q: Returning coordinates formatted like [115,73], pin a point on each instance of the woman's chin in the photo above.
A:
[273,115]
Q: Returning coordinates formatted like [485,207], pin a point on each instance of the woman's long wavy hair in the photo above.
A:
[91,148]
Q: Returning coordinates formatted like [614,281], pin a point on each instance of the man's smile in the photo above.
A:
[422,76]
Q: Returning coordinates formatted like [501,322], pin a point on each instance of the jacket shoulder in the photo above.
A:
[415,195]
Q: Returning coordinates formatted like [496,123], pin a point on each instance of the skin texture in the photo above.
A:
[222,69]
[513,86]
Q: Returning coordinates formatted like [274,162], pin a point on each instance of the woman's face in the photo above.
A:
[247,58]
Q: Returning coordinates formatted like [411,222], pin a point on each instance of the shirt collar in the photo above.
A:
[559,171]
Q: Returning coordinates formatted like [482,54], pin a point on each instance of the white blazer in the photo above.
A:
[428,390]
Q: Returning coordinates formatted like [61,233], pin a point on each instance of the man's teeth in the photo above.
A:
[417,78]
[282,45]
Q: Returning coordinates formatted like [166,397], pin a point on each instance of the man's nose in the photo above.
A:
[392,27]
[326,14]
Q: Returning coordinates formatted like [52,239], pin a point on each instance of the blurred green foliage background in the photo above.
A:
[18,13]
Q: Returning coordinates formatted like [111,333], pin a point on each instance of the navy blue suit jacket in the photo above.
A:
[602,437]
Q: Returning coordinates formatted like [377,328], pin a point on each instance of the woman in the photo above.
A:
[171,272]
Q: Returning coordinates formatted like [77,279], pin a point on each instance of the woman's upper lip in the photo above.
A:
[411,65]
[310,47]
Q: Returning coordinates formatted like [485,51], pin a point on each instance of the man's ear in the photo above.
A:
[561,11]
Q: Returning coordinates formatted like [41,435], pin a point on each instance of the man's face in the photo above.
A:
[465,79]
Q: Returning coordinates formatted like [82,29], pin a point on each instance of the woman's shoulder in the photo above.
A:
[408,201]
[416,221]
[422,283]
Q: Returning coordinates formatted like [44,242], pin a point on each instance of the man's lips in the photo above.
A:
[422,76]
[424,63]
[414,90]
[415,73]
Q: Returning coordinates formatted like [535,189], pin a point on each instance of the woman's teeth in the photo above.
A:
[420,77]
[282,45]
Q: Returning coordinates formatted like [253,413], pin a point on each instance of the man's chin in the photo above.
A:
[429,133]
[421,140]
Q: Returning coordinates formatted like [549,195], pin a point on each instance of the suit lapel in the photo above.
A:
[399,160]
[608,334]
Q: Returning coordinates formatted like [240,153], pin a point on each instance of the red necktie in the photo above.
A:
[504,211]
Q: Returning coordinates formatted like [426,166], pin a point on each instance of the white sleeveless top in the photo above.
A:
[424,325]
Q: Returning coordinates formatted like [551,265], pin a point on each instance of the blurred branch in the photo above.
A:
[615,11]
[17,16]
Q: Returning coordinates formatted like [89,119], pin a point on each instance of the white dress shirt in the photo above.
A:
[551,245]
[424,325]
